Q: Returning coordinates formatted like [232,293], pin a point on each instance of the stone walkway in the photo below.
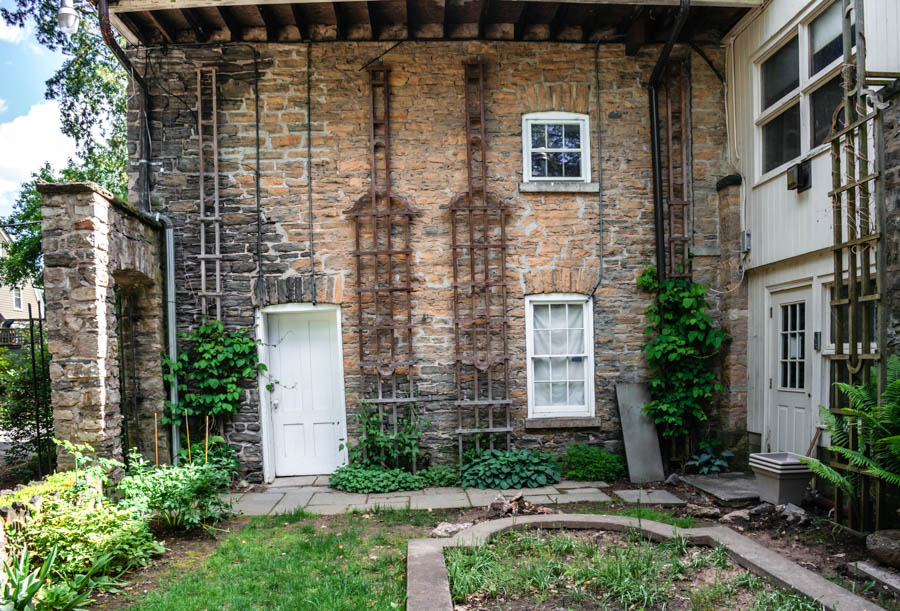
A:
[312,494]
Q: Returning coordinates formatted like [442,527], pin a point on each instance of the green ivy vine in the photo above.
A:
[682,342]
[212,372]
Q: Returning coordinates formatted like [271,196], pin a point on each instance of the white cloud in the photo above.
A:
[26,142]
[12,33]
[3,105]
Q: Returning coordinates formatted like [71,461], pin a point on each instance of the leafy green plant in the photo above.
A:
[682,342]
[510,469]
[363,479]
[74,592]
[878,426]
[54,483]
[182,497]
[442,476]
[220,453]
[380,446]
[17,412]
[588,463]
[212,372]
[22,584]
[711,459]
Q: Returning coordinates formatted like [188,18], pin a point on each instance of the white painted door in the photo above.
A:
[791,418]
[307,404]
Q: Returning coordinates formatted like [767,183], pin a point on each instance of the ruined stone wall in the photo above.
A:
[93,246]
[555,240]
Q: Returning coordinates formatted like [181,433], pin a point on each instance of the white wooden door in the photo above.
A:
[791,418]
[307,404]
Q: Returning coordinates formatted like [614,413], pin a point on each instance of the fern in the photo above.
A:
[829,474]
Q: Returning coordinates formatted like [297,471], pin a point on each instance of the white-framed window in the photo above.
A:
[17,298]
[556,147]
[560,349]
[798,87]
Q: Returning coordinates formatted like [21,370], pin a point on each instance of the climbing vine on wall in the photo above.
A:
[212,372]
[681,346]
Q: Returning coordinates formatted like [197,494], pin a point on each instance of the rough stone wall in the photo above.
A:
[892,231]
[554,237]
[93,245]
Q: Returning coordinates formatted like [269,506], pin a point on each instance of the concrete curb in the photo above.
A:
[428,587]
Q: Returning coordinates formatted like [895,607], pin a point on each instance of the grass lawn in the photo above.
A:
[599,569]
[358,561]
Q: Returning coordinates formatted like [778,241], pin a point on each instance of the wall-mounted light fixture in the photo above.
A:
[798,177]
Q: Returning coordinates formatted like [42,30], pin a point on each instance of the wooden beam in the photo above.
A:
[484,18]
[636,35]
[412,19]
[590,24]
[374,22]
[559,21]
[192,18]
[233,25]
[159,26]
[340,21]
[128,29]
[270,21]
[444,24]
[128,6]
[519,25]
[299,21]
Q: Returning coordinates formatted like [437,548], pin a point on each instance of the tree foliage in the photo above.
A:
[681,343]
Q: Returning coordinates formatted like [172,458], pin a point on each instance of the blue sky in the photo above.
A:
[29,124]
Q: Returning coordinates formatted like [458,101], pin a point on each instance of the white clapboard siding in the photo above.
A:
[882,35]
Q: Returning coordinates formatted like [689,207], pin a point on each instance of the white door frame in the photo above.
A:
[265,408]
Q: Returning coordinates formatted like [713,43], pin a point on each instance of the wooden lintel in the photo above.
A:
[159,26]
[127,6]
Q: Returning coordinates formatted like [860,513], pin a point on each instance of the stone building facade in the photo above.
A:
[586,242]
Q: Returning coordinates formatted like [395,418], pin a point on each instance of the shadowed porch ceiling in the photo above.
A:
[638,22]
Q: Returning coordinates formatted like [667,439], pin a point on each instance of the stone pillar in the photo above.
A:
[732,417]
[78,292]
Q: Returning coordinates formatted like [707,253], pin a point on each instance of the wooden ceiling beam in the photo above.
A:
[520,23]
[299,21]
[374,21]
[340,20]
[270,21]
[234,27]
[129,6]
[412,19]
[136,33]
[200,31]
[559,21]
[636,34]
[159,26]
[484,18]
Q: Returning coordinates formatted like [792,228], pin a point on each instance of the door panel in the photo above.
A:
[791,419]
[306,405]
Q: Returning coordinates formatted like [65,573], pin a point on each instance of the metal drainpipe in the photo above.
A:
[110,39]
[171,335]
[653,88]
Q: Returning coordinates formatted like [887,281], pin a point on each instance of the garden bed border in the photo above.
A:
[428,586]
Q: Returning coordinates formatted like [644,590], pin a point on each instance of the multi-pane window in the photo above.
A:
[800,89]
[555,147]
[792,352]
[559,355]
[17,298]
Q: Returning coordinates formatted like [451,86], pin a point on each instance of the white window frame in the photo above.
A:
[801,95]
[538,118]
[588,321]
[17,297]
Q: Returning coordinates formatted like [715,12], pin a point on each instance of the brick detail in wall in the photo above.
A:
[555,244]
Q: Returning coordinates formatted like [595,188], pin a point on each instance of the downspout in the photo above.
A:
[171,335]
[143,164]
[653,89]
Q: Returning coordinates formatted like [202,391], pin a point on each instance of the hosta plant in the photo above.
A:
[505,469]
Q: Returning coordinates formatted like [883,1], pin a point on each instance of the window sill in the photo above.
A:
[559,187]
[581,422]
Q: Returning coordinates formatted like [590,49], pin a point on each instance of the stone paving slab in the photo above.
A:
[539,499]
[889,578]
[300,480]
[321,480]
[292,501]
[581,497]
[258,503]
[649,497]
[440,501]
[336,498]
[726,487]
[567,484]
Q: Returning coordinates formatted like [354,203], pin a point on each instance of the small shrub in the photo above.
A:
[182,497]
[383,448]
[589,463]
[442,476]
[510,469]
[219,452]
[52,484]
[710,459]
[17,409]
[363,479]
